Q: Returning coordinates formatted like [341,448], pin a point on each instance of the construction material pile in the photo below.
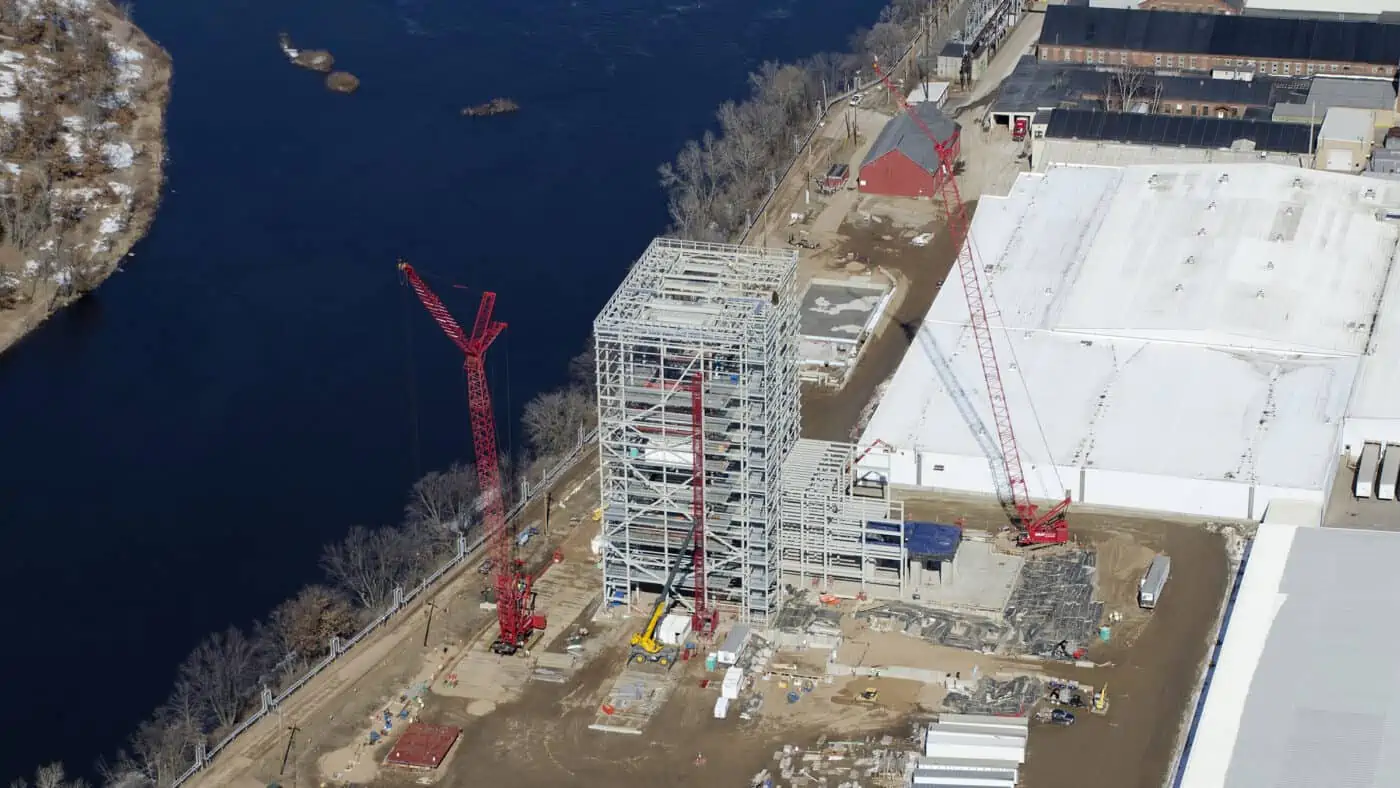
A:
[971,633]
[1053,603]
[991,696]
[838,764]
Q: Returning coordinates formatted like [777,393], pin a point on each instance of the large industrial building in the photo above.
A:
[1206,42]
[1199,339]
[1300,691]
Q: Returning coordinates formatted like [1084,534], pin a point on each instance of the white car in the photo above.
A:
[855,100]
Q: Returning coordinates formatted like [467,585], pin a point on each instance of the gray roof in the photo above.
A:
[904,135]
[1324,707]
[1328,92]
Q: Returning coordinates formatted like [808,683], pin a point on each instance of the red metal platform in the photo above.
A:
[423,746]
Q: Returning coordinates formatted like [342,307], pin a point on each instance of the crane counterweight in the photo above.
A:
[1037,527]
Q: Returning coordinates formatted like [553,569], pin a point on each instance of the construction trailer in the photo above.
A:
[723,318]
[1154,581]
[1366,469]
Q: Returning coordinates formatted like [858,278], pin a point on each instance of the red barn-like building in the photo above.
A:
[903,161]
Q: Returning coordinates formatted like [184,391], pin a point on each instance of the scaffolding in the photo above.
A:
[833,538]
[725,316]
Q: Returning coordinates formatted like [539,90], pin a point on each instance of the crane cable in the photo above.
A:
[1020,372]
[411,373]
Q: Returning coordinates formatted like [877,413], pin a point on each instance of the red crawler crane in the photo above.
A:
[515,602]
[1037,527]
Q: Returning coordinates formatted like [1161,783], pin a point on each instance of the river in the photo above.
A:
[178,447]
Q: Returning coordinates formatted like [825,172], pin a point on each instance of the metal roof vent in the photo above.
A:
[1191,260]
[1211,207]
[1200,232]
[1224,177]
[1152,179]
[1276,237]
[1369,195]
[1297,183]
[1269,266]
[1049,291]
[1259,294]
[1288,211]
[1178,288]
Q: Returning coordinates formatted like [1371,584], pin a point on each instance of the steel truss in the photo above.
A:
[726,316]
[832,539]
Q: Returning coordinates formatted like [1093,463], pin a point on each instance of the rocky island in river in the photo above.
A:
[82,143]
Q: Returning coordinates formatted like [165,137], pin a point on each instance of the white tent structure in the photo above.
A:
[1178,338]
[972,751]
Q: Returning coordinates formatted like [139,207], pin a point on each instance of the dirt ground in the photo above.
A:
[332,710]
[1154,660]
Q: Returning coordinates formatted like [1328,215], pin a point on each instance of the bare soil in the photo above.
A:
[1154,660]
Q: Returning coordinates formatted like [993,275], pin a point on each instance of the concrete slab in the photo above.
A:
[981,581]
[634,698]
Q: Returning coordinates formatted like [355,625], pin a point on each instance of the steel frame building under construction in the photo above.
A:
[726,317]
[831,538]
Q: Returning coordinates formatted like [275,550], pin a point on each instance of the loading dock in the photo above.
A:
[1390,473]
[1366,469]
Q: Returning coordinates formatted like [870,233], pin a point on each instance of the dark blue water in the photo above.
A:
[178,448]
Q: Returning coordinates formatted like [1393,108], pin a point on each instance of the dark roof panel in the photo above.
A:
[1178,130]
[1209,34]
[1037,85]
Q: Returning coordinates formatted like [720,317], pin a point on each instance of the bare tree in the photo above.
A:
[160,752]
[305,624]
[1123,88]
[886,41]
[583,368]
[369,563]
[445,500]
[552,419]
[223,672]
[51,776]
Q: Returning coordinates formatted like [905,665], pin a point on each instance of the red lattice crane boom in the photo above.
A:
[514,588]
[704,620]
[1037,527]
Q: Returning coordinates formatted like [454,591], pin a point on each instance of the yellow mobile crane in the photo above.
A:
[645,647]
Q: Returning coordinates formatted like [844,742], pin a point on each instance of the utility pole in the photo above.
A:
[548,505]
[431,608]
[288,752]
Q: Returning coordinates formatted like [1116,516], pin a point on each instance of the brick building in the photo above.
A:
[1226,7]
[1193,42]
